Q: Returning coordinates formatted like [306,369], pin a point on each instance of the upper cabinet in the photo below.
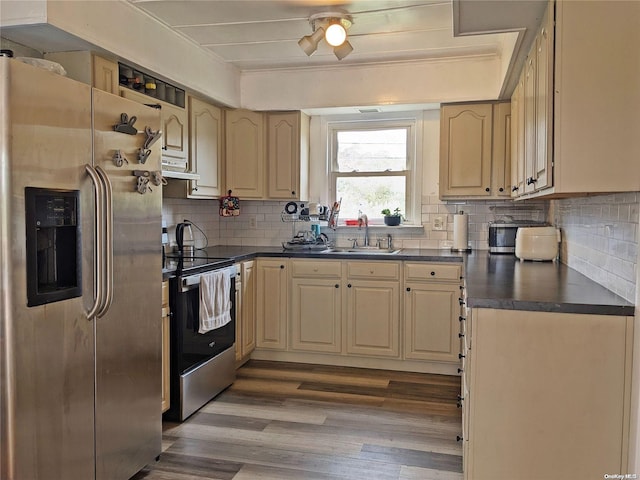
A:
[581,96]
[89,68]
[475,150]
[246,153]
[206,148]
[288,155]
[267,154]
[175,137]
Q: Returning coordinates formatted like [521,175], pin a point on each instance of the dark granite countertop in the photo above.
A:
[492,281]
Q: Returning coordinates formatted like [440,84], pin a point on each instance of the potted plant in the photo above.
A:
[392,219]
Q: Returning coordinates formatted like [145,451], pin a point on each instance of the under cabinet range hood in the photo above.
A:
[180,175]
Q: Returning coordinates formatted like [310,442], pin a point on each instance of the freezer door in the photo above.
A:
[128,335]
[47,366]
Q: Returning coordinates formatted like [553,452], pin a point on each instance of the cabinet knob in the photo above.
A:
[460,398]
[337,286]
[460,370]
[348,285]
[501,189]
[461,301]
[487,189]
[458,438]
[195,189]
[164,148]
[460,335]
[461,356]
[408,289]
[293,192]
[515,189]
[461,318]
[282,266]
[433,274]
[458,405]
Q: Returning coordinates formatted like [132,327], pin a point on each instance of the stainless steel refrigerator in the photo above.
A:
[80,280]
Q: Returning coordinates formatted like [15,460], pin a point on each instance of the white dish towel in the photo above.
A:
[215,304]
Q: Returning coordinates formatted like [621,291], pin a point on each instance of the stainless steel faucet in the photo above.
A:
[363,220]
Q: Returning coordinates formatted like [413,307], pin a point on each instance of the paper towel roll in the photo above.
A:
[460,232]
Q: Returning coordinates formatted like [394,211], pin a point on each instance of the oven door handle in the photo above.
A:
[193,281]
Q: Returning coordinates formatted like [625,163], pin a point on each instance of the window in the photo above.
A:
[372,166]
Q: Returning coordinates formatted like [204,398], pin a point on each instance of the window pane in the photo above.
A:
[372,150]
[370,194]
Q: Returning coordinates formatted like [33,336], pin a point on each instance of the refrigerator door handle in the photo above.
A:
[99,242]
[108,236]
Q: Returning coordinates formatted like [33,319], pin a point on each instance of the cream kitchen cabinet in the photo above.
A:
[245,153]
[245,310]
[592,135]
[518,174]
[373,308]
[166,352]
[288,155]
[88,67]
[316,306]
[174,127]
[549,394]
[475,150]
[431,311]
[272,303]
[267,154]
[206,153]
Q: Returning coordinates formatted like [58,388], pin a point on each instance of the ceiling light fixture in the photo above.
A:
[333,27]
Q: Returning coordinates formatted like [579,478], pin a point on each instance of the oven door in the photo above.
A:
[193,348]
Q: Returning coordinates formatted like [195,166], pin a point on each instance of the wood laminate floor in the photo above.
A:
[289,421]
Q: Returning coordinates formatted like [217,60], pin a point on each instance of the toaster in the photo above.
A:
[537,243]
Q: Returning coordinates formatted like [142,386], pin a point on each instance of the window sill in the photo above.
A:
[404,228]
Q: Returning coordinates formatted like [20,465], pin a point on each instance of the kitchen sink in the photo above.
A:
[363,250]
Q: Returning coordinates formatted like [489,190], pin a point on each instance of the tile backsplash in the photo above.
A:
[600,238]
[260,222]
[600,233]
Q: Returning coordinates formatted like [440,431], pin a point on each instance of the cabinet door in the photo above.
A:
[105,74]
[549,393]
[373,315]
[431,322]
[174,132]
[166,318]
[248,318]
[245,153]
[530,122]
[316,310]
[271,307]
[501,152]
[544,103]
[465,150]
[283,158]
[517,139]
[205,152]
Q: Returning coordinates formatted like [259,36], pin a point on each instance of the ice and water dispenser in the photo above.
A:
[53,245]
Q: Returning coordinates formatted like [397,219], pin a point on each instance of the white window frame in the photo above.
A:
[410,120]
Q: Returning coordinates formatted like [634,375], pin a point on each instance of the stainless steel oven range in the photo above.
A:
[201,364]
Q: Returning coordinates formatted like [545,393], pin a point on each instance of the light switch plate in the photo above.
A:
[253,221]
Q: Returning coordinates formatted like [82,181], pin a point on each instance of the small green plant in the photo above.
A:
[387,213]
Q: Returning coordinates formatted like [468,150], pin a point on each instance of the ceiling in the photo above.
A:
[259,35]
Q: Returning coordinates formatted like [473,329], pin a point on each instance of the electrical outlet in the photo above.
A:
[439,222]
[253,221]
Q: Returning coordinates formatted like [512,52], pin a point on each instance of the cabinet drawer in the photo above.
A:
[390,271]
[432,272]
[321,268]
[165,292]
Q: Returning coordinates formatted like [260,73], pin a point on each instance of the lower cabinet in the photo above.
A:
[316,306]
[245,310]
[271,303]
[431,311]
[358,309]
[166,317]
[548,395]
[373,308]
